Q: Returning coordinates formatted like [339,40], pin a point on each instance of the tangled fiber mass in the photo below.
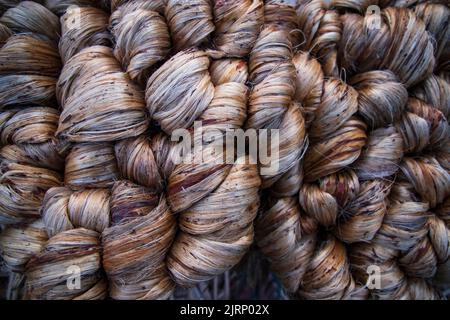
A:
[92,92]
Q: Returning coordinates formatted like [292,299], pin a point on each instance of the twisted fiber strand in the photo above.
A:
[30,159]
[30,162]
[271,104]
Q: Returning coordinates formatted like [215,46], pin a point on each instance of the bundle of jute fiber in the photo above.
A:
[30,160]
[271,104]
[98,202]
[132,221]
[216,204]
[371,217]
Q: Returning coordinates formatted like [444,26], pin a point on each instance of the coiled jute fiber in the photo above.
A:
[91,93]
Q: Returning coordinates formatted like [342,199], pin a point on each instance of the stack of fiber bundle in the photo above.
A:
[374,193]
[98,202]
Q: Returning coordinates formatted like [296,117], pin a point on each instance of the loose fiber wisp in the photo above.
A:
[92,94]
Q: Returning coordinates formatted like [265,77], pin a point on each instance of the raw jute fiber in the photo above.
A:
[91,93]
[374,189]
